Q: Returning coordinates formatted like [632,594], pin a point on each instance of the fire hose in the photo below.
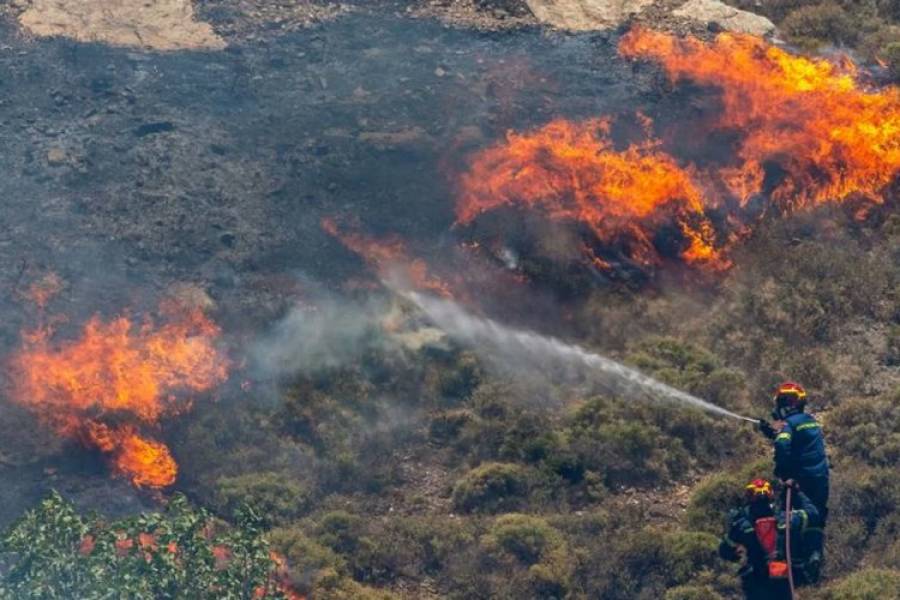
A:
[787,541]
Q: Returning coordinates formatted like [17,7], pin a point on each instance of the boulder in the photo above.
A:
[157,25]
[726,17]
[585,15]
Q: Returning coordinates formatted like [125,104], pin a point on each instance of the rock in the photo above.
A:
[726,17]
[57,156]
[585,15]
[405,138]
[160,24]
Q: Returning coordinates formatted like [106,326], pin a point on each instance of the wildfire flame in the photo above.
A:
[807,132]
[571,171]
[389,257]
[830,136]
[117,376]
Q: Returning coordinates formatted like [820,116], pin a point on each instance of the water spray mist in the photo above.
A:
[531,351]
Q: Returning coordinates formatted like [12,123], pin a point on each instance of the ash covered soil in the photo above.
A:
[129,172]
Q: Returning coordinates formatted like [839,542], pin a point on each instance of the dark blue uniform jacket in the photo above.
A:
[800,449]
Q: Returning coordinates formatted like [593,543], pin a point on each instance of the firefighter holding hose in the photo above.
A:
[799,446]
[776,543]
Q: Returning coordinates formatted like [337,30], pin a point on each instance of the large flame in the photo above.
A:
[572,171]
[806,130]
[830,137]
[117,376]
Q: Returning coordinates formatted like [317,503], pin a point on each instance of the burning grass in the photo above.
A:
[117,376]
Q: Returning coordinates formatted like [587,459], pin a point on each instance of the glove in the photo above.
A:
[766,428]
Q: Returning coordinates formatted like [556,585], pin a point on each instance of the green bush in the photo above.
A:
[646,562]
[867,584]
[274,495]
[625,451]
[691,368]
[340,531]
[306,557]
[712,500]
[823,23]
[692,592]
[447,426]
[892,56]
[491,487]
[867,429]
[535,545]
[867,493]
[55,553]
[329,585]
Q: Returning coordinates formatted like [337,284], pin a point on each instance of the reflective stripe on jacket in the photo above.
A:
[800,449]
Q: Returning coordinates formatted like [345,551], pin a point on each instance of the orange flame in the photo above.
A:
[572,172]
[114,373]
[389,256]
[831,137]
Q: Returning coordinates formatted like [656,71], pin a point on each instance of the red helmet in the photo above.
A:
[759,490]
[790,398]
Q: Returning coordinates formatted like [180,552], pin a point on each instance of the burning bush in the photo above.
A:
[571,171]
[805,132]
[117,376]
[829,136]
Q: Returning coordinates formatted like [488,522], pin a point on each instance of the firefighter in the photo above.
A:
[756,537]
[799,446]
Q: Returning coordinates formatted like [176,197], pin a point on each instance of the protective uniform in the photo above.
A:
[800,447]
[756,531]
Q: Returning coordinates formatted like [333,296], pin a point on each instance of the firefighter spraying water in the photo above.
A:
[779,541]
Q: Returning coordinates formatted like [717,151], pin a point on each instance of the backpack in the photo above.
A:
[766,529]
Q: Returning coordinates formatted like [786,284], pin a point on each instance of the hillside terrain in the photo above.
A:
[212,379]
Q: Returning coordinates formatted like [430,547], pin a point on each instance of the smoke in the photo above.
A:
[332,332]
[325,335]
[527,352]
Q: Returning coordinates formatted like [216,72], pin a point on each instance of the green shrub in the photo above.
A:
[491,487]
[693,369]
[447,426]
[646,562]
[306,558]
[822,23]
[627,452]
[53,552]
[711,501]
[867,429]
[867,584]
[692,592]
[534,544]
[892,57]
[329,585]
[274,495]
[867,493]
[340,531]
[884,544]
